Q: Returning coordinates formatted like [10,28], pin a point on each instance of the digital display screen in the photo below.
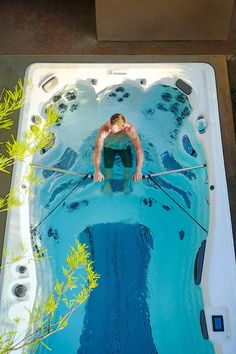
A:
[218,323]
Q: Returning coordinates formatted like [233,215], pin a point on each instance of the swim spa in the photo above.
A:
[164,252]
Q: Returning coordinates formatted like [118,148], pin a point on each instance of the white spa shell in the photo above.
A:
[219,272]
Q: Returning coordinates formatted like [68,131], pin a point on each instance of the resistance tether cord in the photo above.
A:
[149,177]
[77,185]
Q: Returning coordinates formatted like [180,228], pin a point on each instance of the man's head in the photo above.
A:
[117,122]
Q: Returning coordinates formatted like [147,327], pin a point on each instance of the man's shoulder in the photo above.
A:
[104,129]
[130,129]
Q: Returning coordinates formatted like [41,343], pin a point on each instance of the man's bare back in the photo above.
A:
[117,137]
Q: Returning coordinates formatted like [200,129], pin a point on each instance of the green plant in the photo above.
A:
[11,101]
[35,138]
[13,258]
[43,319]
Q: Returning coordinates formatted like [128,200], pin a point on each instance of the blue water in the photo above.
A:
[143,244]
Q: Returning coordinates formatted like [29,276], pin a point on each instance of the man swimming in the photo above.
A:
[116,136]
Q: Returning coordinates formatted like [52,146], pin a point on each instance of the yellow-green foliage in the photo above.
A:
[17,149]
[9,201]
[6,342]
[50,306]
[13,258]
[30,180]
[11,101]
[4,163]
[42,320]
[35,138]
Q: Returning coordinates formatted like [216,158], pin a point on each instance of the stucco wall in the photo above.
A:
[140,20]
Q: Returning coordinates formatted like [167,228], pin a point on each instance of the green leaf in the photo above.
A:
[34,348]
[50,305]
[13,200]
[17,149]
[64,324]
[45,345]
[65,272]
[58,287]
[23,246]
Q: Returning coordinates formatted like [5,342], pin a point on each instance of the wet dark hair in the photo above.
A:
[118,119]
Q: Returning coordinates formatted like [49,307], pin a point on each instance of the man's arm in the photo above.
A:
[139,154]
[98,176]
